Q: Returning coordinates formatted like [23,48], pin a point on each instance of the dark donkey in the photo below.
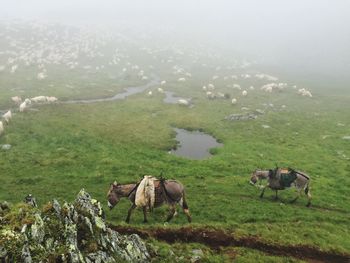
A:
[168,192]
[280,179]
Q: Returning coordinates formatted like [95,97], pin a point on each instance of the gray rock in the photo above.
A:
[4,206]
[29,199]
[241,117]
[79,233]
[56,206]
[37,229]
[3,252]
[26,257]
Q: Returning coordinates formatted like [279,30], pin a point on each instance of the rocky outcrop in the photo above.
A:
[71,232]
[241,117]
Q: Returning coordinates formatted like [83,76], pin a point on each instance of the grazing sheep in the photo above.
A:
[1,128]
[244,93]
[237,86]
[269,87]
[163,82]
[183,102]
[210,95]
[304,92]
[211,86]
[160,90]
[7,116]
[251,88]
[51,99]
[150,93]
[39,99]
[41,76]
[204,88]
[234,101]
[24,105]
[16,100]
[181,80]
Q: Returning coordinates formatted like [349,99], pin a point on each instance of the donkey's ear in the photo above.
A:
[115,183]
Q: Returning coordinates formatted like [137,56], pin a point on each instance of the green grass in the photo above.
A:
[62,148]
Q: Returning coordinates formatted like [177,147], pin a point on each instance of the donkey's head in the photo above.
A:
[253,178]
[258,176]
[112,195]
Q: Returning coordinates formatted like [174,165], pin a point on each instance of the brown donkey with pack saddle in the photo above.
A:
[168,192]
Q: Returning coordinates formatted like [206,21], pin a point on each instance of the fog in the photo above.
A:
[307,37]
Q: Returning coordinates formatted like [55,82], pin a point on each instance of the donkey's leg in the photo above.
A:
[296,198]
[276,195]
[144,214]
[308,194]
[185,208]
[129,213]
[171,212]
[263,191]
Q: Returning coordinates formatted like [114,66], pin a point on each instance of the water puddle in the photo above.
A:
[194,144]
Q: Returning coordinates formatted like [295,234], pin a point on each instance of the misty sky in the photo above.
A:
[311,34]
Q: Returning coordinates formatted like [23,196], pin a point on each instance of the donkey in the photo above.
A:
[278,181]
[168,192]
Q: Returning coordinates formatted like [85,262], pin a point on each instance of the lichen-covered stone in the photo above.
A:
[73,232]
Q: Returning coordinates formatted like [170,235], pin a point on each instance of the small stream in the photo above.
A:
[120,96]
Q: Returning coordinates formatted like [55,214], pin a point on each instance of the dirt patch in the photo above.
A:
[216,239]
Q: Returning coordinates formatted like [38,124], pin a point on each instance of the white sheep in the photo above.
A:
[210,95]
[7,116]
[304,92]
[244,93]
[237,86]
[163,82]
[16,100]
[234,101]
[51,99]
[41,75]
[204,88]
[211,86]
[221,95]
[24,105]
[160,90]
[183,102]
[181,80]
[150,93]
[1,128]
[39,99]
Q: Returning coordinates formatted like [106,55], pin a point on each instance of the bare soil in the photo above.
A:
[217,239]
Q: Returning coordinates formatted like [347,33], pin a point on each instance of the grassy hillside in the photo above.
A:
[58,149]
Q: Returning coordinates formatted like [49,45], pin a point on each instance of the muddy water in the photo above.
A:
[120,96]
[194,144]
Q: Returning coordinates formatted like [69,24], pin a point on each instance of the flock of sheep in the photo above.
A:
[23,106]
[49,47]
